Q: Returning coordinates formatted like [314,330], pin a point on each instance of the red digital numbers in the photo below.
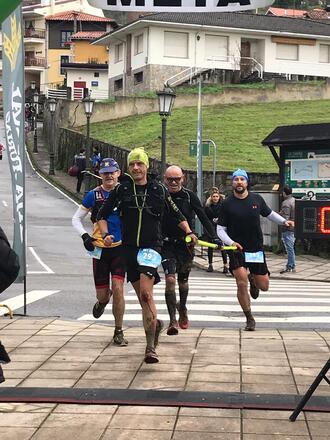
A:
[325,220]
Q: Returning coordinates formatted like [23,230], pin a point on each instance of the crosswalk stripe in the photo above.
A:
[18,301]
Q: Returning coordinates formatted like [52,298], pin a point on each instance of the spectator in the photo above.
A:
[96,160]
[80,163]
[288,238]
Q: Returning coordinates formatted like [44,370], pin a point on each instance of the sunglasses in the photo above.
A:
[174,179]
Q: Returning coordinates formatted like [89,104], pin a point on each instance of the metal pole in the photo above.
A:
[35,138]
[87,178]
[163,151]
[214,159]
[51,147]
[199,151]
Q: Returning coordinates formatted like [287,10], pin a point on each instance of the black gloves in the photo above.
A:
[88,242]
[218,242]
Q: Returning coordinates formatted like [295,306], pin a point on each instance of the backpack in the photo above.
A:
[9,263]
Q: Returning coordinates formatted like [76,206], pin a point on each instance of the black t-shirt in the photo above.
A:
[241,217]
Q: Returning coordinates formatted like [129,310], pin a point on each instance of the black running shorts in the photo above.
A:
[111,262]
[134,269]
[237,260]
[177,257]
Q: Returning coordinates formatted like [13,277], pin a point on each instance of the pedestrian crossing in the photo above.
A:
[212,301]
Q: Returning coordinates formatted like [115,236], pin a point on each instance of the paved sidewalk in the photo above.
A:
[54,353]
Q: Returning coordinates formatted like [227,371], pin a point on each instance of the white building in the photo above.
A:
[146,53]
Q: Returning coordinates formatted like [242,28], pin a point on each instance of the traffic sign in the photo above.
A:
[193,148]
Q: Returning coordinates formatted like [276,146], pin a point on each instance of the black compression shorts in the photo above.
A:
[134,269]
[111,262]
[177,257]
[237,260]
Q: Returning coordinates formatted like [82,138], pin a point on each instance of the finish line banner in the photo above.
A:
[13,109]
[180,5]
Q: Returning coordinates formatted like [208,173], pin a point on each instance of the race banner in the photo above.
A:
[7,7]
[180,5]
[13,109]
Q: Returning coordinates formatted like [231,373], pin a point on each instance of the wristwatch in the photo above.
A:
[105,235]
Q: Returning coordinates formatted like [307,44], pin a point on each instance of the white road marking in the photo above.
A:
[18,301]
[44,265]
[265,299]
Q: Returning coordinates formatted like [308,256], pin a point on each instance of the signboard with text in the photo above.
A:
[180,5]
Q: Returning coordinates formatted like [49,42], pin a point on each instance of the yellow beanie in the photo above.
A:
[138,154]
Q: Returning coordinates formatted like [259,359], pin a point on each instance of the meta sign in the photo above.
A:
[180,5]
[312,219]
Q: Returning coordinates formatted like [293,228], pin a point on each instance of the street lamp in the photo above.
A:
[88,106]
[35,139]
[166,101]
[52,108]
[33,85]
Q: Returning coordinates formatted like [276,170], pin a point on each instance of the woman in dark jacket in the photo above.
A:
[212,207]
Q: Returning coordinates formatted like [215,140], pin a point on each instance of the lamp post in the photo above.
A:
[52,108]
[166,101]
[35,139]
[88,106]
[30,100]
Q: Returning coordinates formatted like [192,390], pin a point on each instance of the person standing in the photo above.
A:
[177,256]
[288,238]
[142,201]
[239,225]
[108,259]
[212,207]
[9,269]
[80,162]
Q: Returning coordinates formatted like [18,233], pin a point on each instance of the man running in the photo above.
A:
[239,225]
[177,256]
[142,202]
[108,257]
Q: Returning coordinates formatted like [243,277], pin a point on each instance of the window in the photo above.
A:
[138,44]
[216,46]
[119,49]
[138,78]
[118,84]
[64,59]
[176,44]
[324,53]
[96,74]
[287,52]
[66,38]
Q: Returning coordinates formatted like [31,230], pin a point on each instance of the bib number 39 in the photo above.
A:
[148,257]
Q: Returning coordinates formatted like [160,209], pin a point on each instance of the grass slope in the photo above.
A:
[236,129]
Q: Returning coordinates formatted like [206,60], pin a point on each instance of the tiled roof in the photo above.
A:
[87,35]
[281,12]
[246,21]
[318,14]
[76,15]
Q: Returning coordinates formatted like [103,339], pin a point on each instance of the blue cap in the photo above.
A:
[241,173]
[108,165]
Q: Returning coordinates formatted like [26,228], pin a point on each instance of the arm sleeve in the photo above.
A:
[224,237]
[276,218]
[77,219]
[199,210]
[172,208]
[108,205]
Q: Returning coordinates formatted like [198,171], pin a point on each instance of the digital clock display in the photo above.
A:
[312,218]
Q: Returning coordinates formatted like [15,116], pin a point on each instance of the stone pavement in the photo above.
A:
[50,352]
[55,353]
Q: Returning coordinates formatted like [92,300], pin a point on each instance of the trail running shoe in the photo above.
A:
[98,309]
[4,357]
[287,270]
[183,317]
[250,324]
[151,356]
[119,339]
[159,328]
[210,268]
[254,291]
[173,328]
[225,270]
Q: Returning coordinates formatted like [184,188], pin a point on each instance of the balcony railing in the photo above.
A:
[35,62]
[34,33]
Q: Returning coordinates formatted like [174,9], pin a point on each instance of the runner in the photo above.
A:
[108,257]
[239,225]
[142,202]
[177,256]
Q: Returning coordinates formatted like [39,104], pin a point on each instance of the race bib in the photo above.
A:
[96,253]
[254,257]
[149,257]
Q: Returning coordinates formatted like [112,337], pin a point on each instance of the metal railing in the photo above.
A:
[184,75]
[35,33]
[35,62]
[235,63]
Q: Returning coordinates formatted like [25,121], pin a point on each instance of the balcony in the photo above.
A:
[33,34]
[35,62]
